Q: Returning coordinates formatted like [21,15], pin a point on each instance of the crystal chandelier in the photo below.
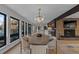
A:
[39,18]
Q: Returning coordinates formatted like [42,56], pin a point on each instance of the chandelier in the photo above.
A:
[39,18]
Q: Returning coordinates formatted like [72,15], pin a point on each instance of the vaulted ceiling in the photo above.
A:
[49,11]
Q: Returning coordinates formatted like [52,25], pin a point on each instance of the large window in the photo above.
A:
[39,28]
[45,27]
[2,29]
[26,28]
[22,28]
[14,29]
[69,28]
[29,29]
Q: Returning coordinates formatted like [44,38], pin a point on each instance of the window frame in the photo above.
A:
[18,29]
[22,33]
[4,28]
[71,30]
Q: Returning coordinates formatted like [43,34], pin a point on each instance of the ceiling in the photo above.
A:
[48,11]
[75,15]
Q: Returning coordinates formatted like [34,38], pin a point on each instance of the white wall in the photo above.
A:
[15,50]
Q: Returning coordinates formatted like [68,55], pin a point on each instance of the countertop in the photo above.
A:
[69,38]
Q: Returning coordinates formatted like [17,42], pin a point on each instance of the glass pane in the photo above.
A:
[14,29]
[39,28]
[26,28]
[70,24]
[22,28]
[69,30]
[45,28]
[29,29]
[2,30]
[69,33]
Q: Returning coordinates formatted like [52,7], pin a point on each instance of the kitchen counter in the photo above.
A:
[45,47]
[69,38]
[38,39]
